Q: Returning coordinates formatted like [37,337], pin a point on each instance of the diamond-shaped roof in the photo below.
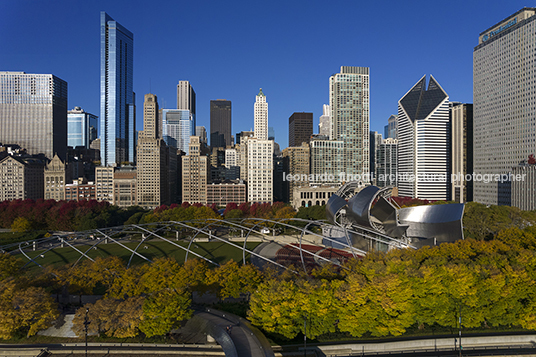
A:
[419,102]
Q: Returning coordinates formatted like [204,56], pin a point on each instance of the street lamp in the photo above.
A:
[86,324]
[460,331]
[305,335]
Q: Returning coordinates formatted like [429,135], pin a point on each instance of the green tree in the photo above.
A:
[163,311]
[283,307]
[233,280]
[375,298]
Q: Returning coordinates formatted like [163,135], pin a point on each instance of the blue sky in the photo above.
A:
[230,49]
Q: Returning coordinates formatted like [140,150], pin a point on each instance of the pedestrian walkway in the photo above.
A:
[247,339]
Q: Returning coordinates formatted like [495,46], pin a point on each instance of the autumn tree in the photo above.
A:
[9,265]
[21,224]
[111,317]
[24,309]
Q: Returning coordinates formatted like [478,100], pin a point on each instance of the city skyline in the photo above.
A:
[277,64]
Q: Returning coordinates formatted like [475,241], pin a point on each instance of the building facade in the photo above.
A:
[80,190]
[81,128]
[195,173]
[223,193]
[21,179]
[118,111]
[524,190]
[297,159]
[375,142]
[327,161]
[220,123]
[424,142]
[55,178]
[33,113]
[349,100]
[300,128]
[104,183]
[125,186]
[387,163]
[260,170]
[153,159]
[461,119]
[308,196]
[504,98]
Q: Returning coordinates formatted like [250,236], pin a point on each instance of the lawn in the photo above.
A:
[217,252]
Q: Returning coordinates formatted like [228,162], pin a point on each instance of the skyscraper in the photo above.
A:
[423,142]
[324,125]
[504,97]
[220,123]
[260,123]
[118,111]
[153,159]
[80,126]
[33,112]
[300,128]
[260,170]
[386,163]
[195,173]
[350,116]
[186,97]
[298,163]
[375,142]
[391,127]
[177,127]
[201,131]
[461,119]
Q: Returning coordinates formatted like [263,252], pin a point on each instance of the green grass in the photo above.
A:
[16,237]
[217,252]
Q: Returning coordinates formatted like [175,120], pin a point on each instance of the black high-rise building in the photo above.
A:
[300,128]
[220,123]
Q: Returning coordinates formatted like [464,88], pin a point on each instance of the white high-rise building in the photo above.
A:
[261,117]
[260,169]
[231,157]
[504,94]
[324,126]
[423,142]
[350,117]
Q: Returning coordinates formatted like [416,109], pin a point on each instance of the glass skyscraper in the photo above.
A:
[80,126]
[33,112]
[117,113]
[177,127]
